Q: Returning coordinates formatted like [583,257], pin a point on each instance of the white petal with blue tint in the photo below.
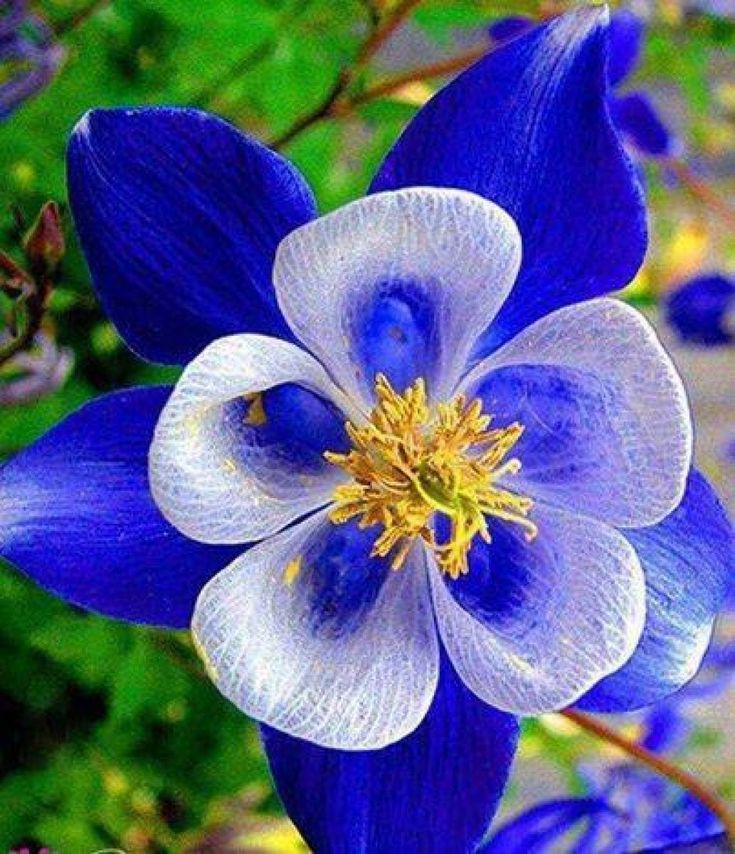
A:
[577,616]
[639,473]
[413,275]
[214,473]
[363,688]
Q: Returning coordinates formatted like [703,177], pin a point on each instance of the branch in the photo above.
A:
[701,191]
[393,84]
[658,764]
[379,35]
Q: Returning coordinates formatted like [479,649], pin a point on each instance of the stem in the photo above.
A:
[701,191]
[380,34]
[658,764]
[33,304]
[393,84]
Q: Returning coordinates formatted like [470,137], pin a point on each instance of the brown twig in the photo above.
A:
[658,764]
[393,84]
[382,32]
[379,35]
[701,191]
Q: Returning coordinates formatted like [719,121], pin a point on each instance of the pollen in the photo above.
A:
[409,464]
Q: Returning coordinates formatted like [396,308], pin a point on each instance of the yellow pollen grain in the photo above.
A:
[408,463]
[293,568]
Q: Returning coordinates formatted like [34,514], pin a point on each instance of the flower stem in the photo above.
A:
[658,764]
[701,191]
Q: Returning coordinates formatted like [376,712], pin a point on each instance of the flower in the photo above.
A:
[29,56]
[634,113]
[538,539]
[702,310]
[626,808]
[631,810]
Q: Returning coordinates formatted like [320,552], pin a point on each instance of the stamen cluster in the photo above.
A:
[407,464]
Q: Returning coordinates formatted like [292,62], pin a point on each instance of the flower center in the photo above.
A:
[408,464]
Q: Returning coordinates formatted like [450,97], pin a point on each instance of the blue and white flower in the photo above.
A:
[420,474]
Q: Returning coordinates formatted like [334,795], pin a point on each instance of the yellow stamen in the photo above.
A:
[408,464]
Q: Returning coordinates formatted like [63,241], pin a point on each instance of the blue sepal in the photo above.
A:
[689,563]
[180,215]
[434,792]
[528,127]
[77,517]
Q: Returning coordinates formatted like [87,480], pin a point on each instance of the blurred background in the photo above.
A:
[112,737]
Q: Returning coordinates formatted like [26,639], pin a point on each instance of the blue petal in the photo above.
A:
[307,633]
[528,128]
[587,442]
[77,517]
[434,791]
[533,626]
[639,122]
[626,40]
[180,215]
[689,564]
[543,827]
[700,309]
[340,579]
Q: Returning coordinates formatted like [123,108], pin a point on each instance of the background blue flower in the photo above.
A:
[29,55]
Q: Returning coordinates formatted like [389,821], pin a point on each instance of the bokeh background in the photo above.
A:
[111,735]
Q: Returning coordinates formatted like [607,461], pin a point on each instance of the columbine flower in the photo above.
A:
[507,524]
[634,113]
[627,807]
[29,56]
[630,809]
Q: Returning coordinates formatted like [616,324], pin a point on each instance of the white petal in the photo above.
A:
[362,689]
[211,481]
[442,259]
[576,616]
[639,474]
